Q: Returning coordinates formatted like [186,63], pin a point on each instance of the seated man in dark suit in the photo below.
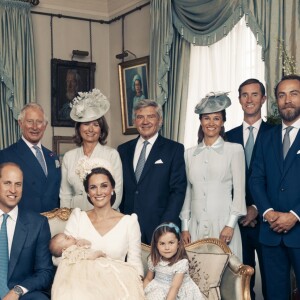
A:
[40,166]
[252,97]
[153,172]
[26,268]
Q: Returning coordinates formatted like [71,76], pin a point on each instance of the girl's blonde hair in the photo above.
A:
[158,232]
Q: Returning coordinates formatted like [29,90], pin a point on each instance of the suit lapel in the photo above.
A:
[19,239]
[240,136]
[29,159]
[129,161]
[277,146]
[291,154]
[153,156]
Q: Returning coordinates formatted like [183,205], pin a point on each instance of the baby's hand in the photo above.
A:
[83,242]
[95,254]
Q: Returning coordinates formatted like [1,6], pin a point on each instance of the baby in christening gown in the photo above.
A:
[88,274]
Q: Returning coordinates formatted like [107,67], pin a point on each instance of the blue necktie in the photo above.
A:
[286,141]
[3,258]
[141,162]
[40,158]
[249,146]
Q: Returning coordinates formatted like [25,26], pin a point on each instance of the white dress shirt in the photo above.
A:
[30,145]
[139,147]
[246,131]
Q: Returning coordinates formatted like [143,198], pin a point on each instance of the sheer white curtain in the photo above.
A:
[222,66]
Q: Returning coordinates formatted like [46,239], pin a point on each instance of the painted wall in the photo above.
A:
[107,42]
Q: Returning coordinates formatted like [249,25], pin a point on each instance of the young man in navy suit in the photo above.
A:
[155,191]
[26,268]
[275,187]
[252,95]
[40,166]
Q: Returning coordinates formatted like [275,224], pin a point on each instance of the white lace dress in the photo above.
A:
[104,278]
[158,288]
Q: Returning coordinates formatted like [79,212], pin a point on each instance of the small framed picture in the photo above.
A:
[67,79]
[62,144]
[133,77]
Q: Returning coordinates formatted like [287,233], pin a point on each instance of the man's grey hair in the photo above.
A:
[148,103]
[32,105]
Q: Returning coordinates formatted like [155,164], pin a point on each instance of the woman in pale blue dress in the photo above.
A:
[215,196]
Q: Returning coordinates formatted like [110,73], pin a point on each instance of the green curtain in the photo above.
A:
[17,66]
[202,22]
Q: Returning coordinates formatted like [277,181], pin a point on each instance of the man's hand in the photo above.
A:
[249,219]
[11,295]
[271,216]
[284,222]
[185,235]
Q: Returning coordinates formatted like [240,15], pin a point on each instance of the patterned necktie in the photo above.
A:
[249,146]
[3,257]
[141,162]
[286,141]
[40,158]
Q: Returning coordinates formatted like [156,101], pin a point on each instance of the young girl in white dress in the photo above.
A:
[168,275]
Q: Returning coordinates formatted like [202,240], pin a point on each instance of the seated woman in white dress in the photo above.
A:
[91,131]
[116,235]
[215,196]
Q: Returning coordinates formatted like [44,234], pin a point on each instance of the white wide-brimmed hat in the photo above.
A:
[89,106]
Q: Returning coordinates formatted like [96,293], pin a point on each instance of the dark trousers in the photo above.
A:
[250,242]
[277,263]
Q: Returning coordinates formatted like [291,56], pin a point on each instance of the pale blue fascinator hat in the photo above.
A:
[213,102]
[136,77]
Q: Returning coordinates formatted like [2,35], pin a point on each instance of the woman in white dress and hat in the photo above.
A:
[91,131]
[215,196]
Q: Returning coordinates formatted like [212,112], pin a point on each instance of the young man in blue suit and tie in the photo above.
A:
[153,172]
[275,187]
[252,97]
[26,268]
[40,166]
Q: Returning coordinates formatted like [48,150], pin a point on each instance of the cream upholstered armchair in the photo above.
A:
[218,273]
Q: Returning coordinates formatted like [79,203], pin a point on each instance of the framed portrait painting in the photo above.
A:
[133,77]
[67,79]
[61,145]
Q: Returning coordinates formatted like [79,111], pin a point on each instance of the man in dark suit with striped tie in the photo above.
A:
[275,187]
[154,177]
[40,166]
[252,97]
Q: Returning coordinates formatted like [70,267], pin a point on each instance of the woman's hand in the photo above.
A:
[186,237]
[226,234]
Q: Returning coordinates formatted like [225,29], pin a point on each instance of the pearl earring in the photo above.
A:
[112,193]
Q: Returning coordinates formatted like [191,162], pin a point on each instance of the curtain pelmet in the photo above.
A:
[203,22]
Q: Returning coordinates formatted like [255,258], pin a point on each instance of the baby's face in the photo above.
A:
[67,241]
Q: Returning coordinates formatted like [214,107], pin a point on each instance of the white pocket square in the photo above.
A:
[298,152]
[158,162]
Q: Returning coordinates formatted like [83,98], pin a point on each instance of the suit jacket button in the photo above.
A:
[136,192]
[282,189]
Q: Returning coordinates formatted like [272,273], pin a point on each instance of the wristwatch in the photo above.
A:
[18,290]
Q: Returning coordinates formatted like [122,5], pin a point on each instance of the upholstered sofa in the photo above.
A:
[218,273]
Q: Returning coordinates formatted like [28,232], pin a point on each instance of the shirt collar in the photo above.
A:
[151,140]
[217,146]
[295,125]
[256,125]
[30,145]
[13,213]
